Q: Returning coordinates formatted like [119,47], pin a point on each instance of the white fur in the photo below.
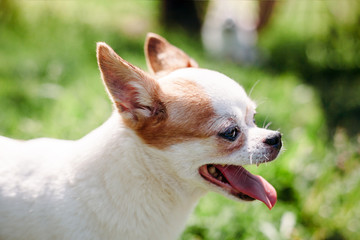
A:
[91,188]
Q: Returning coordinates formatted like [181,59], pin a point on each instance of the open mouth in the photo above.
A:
[240,183]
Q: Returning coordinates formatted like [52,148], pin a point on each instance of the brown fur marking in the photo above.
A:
[162,57]
[189,115]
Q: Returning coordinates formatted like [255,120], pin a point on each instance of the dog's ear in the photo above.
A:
[136,95]
[162,57]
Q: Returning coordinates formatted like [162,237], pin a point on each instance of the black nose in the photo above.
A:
[274,141]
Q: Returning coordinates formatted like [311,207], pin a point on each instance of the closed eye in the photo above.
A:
[230,134]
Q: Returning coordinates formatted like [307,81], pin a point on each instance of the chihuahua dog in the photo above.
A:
[175,134]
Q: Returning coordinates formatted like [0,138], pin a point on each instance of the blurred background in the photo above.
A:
[300,60]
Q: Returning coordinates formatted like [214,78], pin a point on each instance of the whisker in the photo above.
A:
[226,166]
[240,171]
[268,125]
[266,157]
[252,88]
[283,150]
[260,102]
[263,126]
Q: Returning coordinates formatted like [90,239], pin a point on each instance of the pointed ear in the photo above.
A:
[135,94]
[162,57]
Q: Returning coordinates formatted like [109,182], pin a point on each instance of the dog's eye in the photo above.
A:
[231,133]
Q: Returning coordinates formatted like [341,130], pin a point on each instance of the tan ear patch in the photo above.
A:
[189,112]
[162,57]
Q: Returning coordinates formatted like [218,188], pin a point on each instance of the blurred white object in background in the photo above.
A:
[230,29]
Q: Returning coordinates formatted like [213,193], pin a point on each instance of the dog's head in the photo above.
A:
[201,120]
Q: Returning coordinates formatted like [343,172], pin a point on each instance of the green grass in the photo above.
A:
[50,86]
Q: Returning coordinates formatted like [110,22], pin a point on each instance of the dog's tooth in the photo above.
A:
[220,178]
[212,170]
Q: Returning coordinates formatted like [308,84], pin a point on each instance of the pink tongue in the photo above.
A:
[254,186]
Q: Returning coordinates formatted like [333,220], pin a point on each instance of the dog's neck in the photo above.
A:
[120,164]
